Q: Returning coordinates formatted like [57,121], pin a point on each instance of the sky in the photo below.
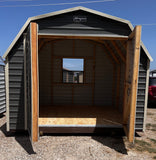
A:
[73,64]
[14,13]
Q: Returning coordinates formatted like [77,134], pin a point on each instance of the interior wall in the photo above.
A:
[122,79]
[68,94]
[103,78]
[54,92]
[45,66]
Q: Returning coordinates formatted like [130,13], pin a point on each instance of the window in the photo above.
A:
[73,70]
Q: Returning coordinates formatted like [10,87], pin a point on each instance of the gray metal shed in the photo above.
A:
[115,76]
[2,89]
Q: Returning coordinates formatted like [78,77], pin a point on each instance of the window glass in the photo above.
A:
[73,69]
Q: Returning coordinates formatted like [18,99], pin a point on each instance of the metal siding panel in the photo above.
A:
[16,76]
[141,93]
[2,90]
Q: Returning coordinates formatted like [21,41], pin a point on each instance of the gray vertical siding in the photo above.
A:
[16,86]
[140,106]
[2,90]
[28,81]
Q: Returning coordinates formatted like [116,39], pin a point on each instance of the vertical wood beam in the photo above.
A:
[35,105]
[131,81]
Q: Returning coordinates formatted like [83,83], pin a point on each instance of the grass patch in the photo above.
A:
[142,143]
[153,140]
[150,114]
[148,125]
[151,150]
[143,146]
[151,126]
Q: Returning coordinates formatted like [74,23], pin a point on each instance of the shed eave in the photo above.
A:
[66,11]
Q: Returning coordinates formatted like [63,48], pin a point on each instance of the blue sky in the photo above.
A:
[139,12]
[73,64]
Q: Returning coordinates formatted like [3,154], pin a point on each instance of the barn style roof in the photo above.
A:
[71,10]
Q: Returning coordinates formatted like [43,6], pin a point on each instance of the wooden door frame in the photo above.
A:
[35,80]
[131,82]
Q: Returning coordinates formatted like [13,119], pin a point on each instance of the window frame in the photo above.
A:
[73,70]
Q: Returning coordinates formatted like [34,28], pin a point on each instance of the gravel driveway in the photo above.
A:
[52,147]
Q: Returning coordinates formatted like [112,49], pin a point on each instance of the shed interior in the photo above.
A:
[98,100]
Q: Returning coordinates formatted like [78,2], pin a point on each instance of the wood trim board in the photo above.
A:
[131,81]
[34,55]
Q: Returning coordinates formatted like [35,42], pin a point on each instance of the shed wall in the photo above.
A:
[45,81]
[53,91]
[141,93]
[16,86]
[28,83]
[93,24]
[103,79]
[2,90]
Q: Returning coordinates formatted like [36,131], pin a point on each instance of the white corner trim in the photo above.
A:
[7,94]
[146,95]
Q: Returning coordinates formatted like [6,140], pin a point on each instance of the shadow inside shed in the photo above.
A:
[98,101]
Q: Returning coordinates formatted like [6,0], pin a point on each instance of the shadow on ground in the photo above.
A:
[112,138]
[22,138]
[2,115]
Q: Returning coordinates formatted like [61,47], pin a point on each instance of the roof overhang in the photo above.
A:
[71,10]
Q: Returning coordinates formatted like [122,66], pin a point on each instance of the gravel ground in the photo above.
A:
[50,147]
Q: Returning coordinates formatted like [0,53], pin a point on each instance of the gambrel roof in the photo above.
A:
[67,11]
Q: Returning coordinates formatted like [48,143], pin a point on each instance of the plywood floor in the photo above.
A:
[79,115]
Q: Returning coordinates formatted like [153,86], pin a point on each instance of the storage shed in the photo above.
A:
[2,88]
[110,89]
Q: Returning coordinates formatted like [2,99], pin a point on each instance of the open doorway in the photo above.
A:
[89,95]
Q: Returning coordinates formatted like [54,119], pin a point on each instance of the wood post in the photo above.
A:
[131,81]
[34,55]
